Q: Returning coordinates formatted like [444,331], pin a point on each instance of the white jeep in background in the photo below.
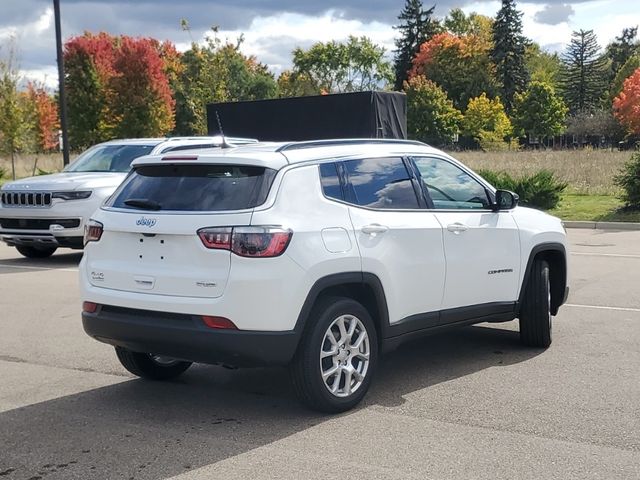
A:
[317,255]
[40,214]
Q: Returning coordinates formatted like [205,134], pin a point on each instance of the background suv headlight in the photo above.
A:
[72,195]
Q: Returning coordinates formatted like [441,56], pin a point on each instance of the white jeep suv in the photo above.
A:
[40,214]
[318,255]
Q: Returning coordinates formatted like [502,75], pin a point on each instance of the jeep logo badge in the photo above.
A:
[146,222]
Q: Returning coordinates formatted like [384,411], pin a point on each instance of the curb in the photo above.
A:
[602,225]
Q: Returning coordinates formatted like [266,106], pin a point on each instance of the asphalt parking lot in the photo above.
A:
[472,404]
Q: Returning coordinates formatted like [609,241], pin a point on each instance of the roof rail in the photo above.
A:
[345,141]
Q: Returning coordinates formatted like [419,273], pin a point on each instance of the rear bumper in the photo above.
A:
[185,337]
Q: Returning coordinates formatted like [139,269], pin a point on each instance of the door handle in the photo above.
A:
[457,228]
[374,229]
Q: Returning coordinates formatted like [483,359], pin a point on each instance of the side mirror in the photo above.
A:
[505,200]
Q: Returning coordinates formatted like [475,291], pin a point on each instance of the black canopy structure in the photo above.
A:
[345,115]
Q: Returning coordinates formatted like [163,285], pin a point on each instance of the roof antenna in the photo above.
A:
[224,143]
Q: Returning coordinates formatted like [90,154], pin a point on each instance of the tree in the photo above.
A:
[542,66]
[460,65]
[16,133]
[625,72]
[597,128]
[539,112]
[627,105]
[45,111]
[139,99]
[431,116]
[583,76]
[88,61]
[416,27]
[508,52]
[292,84]
[353,66]
[459,23]
[486,122]
[621,49]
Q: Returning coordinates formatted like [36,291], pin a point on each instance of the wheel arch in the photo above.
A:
[365,288]
[555,254]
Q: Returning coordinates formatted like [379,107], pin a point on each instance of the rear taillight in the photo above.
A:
[261,242]
[92,231]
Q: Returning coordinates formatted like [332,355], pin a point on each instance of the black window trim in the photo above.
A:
[487,188]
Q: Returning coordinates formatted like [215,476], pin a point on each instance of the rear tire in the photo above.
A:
[148,366]
[535,313]
[35,252]
[340,337]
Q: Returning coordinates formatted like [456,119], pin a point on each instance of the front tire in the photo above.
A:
[34,252]
[149,366]
[535,313]
[337,356]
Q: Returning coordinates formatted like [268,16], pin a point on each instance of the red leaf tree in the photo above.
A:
[626,105]
[46,117]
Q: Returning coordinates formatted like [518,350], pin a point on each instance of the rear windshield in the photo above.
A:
[194,188]
[109,158]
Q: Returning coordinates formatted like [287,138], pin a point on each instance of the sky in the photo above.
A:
[272,29]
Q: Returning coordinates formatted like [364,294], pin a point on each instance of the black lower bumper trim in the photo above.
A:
[185,337]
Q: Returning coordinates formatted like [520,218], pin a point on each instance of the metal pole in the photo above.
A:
[61,95]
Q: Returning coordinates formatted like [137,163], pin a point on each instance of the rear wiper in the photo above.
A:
[143,203]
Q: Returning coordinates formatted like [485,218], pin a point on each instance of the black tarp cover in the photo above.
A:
[346,115]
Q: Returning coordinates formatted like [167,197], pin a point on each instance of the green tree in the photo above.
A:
[353,66]
[459,23]
[416,27]
[543,66]
[16,112]
[508,52]
[621,49]
[584,73]
[487,123]
[624,72]
[431,116]
[539,112]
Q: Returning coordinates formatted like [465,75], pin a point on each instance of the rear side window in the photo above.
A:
[330,181]
[381,183]
[194,188]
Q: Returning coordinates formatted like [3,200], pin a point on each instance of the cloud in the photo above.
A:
[554,14]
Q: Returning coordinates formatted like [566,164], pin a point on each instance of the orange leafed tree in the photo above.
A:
[46,116]
[626,105]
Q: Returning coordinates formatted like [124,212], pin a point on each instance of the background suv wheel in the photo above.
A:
[337,358]
[150,366]
[35,252]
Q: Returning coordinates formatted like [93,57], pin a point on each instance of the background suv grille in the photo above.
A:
[38,223]
[26,199]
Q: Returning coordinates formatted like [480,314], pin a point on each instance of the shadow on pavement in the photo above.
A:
[146,430]
[56,261]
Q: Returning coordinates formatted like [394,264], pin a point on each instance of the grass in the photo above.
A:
[596,208]
[588,172]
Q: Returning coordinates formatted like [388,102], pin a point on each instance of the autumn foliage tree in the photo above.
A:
[627,105]
[117,86]
[45,112]
[460,65]
[487,123]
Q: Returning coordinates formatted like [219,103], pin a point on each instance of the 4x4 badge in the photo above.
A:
[146,222]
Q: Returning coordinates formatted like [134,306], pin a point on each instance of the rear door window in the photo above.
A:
[194,188]
[382,183]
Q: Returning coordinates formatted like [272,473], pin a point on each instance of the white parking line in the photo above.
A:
[601,307]
[24,267]
[593,254]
